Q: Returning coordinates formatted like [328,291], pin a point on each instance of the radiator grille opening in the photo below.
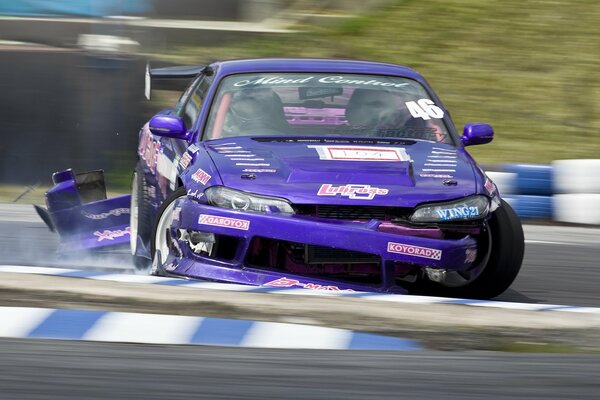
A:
[330,255]
[353,213]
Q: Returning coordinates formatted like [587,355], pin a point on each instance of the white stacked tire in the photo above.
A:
[505,181]
[577,191]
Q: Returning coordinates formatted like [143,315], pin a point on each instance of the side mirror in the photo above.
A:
[169,126]
[477,133]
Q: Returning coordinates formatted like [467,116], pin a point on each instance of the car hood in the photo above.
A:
[401,173]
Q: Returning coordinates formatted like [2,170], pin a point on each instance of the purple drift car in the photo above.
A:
[322,174]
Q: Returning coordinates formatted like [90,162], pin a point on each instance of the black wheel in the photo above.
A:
[502,257]
[161,241]
[140,219]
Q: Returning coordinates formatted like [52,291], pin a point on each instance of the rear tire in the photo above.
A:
[140,218]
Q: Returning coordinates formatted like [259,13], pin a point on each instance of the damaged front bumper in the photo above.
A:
[391,247]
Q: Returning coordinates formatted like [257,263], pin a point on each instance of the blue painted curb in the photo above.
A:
[105,326]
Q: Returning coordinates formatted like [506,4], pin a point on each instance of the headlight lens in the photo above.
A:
[220,196]
[469,208]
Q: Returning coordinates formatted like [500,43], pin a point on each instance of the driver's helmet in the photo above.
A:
[370,108]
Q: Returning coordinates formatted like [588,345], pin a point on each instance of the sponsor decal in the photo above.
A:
[446,214]
[361,153]
[201,176]
[241,155]
[490,186]
[439,165]
[151,191]
[355,192]
[254,164]
[435,160]
[438,170]
[170,266]
[185,160]
[279,80]
[415,251]
[230,148]
[424,108]
[166,169]
[258,170]
[111,235]
[224,144]
[286,282]
[232,151]
[195,193]
[436,176]
[247,159]
[470,256]
[176,213]
[148,150]
[224,222]
[112,213]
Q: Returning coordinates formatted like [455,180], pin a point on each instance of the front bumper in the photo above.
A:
[363,237]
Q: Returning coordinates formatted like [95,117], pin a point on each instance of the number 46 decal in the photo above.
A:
[424,108]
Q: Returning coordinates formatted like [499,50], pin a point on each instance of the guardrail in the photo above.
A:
[564,191]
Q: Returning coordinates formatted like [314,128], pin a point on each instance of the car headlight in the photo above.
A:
[466,209]
[220,196]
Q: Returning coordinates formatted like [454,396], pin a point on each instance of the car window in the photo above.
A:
[190,110]
[325,105]
[186,94]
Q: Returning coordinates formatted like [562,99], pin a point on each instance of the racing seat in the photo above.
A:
[255,111]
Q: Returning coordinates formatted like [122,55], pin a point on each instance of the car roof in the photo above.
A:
[313,65]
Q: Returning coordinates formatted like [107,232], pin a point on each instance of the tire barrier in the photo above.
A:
[531,179]
[505,181]
[531,207]
[576,176]
[565,191]
[578,208]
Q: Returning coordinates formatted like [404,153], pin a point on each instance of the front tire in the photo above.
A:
[503,263]
[161,236]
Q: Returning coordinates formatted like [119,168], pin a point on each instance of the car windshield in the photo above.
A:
[301,104]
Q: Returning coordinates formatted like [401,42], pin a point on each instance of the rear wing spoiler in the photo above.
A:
[168,74]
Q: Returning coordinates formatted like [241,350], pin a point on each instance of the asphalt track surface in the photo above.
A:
[560,267]
[77,370]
